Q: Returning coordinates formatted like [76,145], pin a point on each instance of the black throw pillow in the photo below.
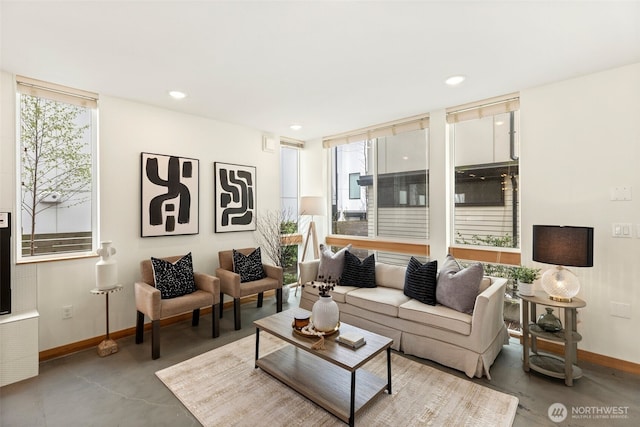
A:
[249,267]
[420,281]
[173,279]
[358,273]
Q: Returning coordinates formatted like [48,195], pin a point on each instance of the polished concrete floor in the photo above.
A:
[83,389]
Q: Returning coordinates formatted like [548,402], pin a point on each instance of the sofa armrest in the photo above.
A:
[308,270]
[274,272]
[207,283]
[488,314]
[147,299]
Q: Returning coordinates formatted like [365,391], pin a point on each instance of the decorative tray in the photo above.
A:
[308,331]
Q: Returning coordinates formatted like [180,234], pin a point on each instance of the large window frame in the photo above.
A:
[493,165]
[401,190]
[70,242]
[290,239]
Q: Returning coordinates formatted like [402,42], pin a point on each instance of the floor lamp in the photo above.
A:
[311,205]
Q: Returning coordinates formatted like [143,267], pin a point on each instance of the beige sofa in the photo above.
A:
[467,342]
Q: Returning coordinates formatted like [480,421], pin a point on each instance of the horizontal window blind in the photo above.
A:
[56,92]
[486,108]
[378,131]
[290,142]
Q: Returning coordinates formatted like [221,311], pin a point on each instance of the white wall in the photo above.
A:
[580,138]
[127,129]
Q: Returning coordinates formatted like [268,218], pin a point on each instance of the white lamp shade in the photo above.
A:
[312,205]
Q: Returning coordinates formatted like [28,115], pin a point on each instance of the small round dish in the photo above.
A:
[308,331]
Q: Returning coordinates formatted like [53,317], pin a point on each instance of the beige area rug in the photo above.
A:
[222,388]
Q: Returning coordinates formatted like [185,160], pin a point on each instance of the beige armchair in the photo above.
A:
[230,283]
[148,302]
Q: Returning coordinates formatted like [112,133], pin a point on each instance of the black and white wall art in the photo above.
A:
[235,196]
[169,195]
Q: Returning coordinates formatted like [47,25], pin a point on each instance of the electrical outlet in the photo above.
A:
[620,309]
[67,312]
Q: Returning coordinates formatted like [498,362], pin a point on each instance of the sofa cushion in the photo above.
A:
[249,267]
[437,316]
[420,281]
[173,279]
[457,288]
[359,273]
[390,276]
[378,300]
[331,264]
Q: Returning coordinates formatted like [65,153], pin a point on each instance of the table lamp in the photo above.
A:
[311,205]
[562,246]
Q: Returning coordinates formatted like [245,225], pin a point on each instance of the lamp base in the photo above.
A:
[560,284]
[560,299]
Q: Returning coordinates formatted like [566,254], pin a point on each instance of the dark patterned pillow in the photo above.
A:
[173,279]
[249,267]
[420,281]
[358,273]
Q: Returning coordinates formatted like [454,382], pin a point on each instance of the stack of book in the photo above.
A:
[351,339]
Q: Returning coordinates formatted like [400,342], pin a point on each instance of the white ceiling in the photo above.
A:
[330,66]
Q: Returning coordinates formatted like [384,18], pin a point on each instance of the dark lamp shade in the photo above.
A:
[563,245]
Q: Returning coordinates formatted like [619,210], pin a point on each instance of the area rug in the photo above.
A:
[222,388]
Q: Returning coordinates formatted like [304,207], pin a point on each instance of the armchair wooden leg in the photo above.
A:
[221,303]
[215,332]
[279,300]
[140,328]
[236,313]
[195,318]
[155,339]
[260,299]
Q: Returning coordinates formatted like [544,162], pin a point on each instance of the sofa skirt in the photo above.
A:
[471,363]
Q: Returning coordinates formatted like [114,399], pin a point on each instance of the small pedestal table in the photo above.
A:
[107,346]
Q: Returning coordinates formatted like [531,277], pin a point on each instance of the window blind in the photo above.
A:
[290,142]
[480,109]
[378,131]
[56,92]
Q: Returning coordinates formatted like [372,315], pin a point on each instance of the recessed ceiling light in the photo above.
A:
[296,126]
[455,80]
[176,94]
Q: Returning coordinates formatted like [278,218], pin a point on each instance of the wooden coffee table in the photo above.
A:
[326,377]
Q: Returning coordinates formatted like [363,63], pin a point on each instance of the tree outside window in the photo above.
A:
[56,164]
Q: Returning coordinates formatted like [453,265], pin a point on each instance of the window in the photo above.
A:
[486,153]
[289,165]
[57,140]
[390,171]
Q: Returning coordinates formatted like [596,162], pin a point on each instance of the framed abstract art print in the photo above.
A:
[169,195]
[235,197]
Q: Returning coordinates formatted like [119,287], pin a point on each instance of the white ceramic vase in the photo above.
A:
[325,314]
[106,267]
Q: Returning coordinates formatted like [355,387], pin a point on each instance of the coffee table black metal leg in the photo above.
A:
[352,420]
[257,346]
[389,370]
